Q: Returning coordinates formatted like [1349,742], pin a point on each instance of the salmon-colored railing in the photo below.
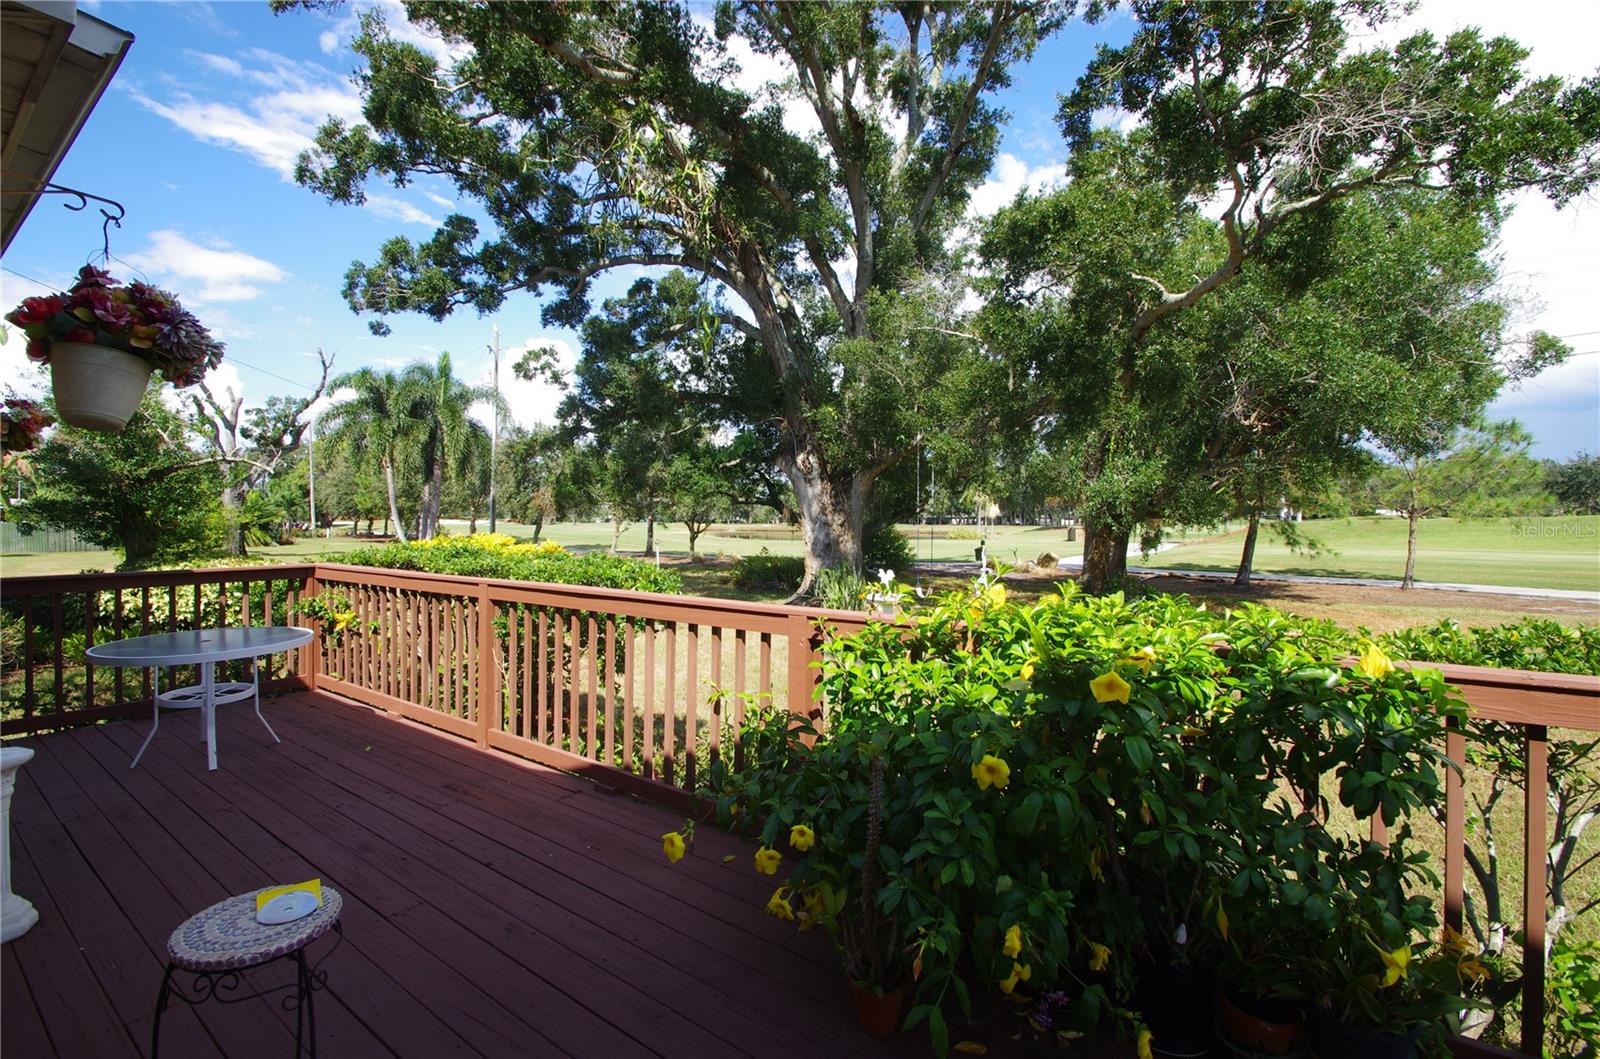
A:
[639,691]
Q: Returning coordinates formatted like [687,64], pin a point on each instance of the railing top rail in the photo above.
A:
[45,584]
[709,606]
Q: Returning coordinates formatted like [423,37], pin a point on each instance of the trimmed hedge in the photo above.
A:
[502,557]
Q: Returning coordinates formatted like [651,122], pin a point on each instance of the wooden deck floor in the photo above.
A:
[491,908]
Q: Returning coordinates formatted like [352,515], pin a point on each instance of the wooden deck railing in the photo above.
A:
[640,691]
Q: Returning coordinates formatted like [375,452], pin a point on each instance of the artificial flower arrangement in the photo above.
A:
[133,318]
[21,423]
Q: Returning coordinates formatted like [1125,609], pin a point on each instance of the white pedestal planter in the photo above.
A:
[96,387]
[17,914]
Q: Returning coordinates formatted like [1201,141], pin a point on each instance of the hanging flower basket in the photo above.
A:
[21,423]
[103,339]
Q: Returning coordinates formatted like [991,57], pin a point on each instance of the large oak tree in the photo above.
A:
[597,137]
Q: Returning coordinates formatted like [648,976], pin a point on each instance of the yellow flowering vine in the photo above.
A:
[673,845]
[1144,658]
[1019,973]
[1110,687]
[801,837]
[1099,956]
[1374,663]
[767,860]
[778,905]
[1013,945]
[1394,965]
[991,772]
[1144,1042]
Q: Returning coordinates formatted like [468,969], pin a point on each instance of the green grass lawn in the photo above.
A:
[1529,553]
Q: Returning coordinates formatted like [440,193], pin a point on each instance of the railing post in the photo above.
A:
[1455,824]
[488,667]
[1533,888]
[800,657]
[311,653]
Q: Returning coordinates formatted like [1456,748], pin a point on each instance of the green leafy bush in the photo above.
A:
[765,572]
[1086,785]
[482,556]
[886,548]
[1533,643]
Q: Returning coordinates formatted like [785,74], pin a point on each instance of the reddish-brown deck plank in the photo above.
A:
[493,907]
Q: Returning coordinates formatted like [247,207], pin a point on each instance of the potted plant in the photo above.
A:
[1380,990]
[1260,1004]
[102,339]
[21,423]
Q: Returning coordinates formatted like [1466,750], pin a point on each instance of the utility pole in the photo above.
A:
[311,476]
[494,433]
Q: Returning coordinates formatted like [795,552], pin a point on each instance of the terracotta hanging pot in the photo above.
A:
[97,387]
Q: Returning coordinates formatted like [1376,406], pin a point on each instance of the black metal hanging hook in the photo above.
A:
[84,198]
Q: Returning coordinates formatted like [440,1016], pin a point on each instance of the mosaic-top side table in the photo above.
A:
[218,943]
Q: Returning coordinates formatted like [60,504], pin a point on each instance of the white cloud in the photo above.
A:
[440,200]
[328,41]
[207,274]
[19,373]
[400,210]
[1011,175]
[531,402]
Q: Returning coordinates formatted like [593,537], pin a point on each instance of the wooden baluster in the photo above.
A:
[144,630]
[592,749]
[55,627]
[764,694]
[530,670]
[486,709]
[1455,824]
[1534,852]
[544,678]
[669,707]
[610,691]
[28,701]
[574,678]
[741,649]
[717,698]
[116,633]
[558,647]
[648,706]
[630,677]
[691,719]
[91,611]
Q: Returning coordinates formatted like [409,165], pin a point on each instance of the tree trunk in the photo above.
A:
[233,542]
[138,547]
[695,529]
[538,527]
[616,532]
[1409,581]
[650,534]
[830,513]
[394,508]
[1105,555]
[1248,557]
[432,502]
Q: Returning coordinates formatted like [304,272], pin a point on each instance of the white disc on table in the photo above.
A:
[286,908]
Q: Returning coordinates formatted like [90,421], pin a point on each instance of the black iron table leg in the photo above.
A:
[161,1006]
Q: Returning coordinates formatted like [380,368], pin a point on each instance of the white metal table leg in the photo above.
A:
[255,680]
[208,682]
[155,716]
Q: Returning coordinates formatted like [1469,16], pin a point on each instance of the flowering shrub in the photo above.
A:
[136,318]
[21,423]
[1034,802]
[499,556]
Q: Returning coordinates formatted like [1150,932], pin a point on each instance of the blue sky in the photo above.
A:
[198,134]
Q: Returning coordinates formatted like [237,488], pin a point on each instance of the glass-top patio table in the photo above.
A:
[205,648]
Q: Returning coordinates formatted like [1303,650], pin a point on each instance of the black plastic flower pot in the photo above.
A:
[1332,1039]
[1179,1006]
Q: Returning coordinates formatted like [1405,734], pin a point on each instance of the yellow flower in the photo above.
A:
[778,905]
[1394,965]
[1019,973]
[802,837]
[1374,663]
[1144,1042]
[1096,862]
[1222,921]
[991,772]
[672,845]
[1455,942]
[1470,968]
[997,594]
[767,861]
[1027,671]
[1013,944]
[1143,658]
[1109,687]
[1100,956]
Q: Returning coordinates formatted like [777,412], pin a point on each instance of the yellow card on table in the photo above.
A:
[313,886]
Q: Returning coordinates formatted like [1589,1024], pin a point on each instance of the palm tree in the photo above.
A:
[437,403]
[374,420]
